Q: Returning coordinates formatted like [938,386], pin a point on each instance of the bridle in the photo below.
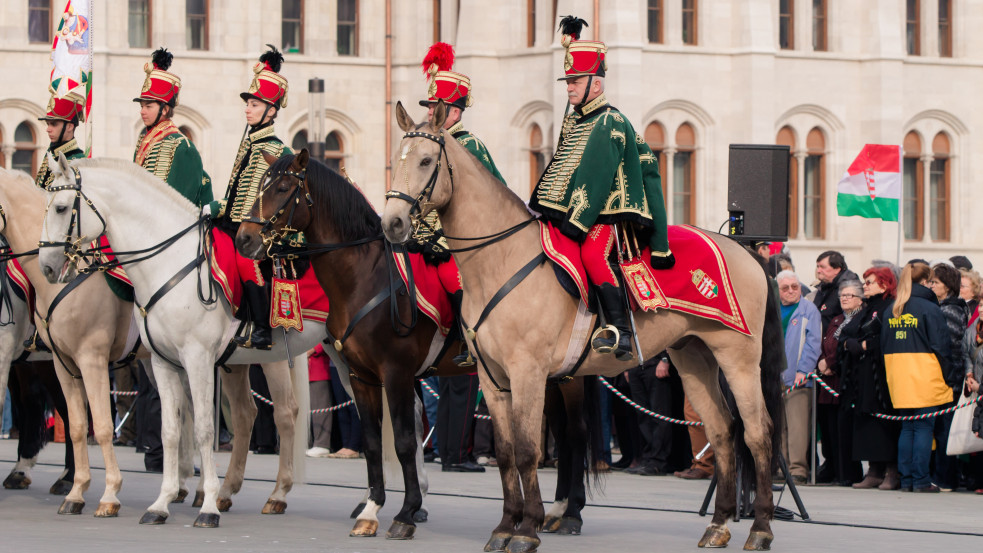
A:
[422,200]
[74,238]
[268,231]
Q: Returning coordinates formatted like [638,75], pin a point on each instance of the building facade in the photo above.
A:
[824,77]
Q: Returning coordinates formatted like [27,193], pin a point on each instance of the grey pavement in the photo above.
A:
[627,513]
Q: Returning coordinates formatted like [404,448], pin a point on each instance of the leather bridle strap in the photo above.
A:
[160,293]
[471,332]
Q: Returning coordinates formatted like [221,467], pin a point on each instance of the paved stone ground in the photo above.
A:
[628,513]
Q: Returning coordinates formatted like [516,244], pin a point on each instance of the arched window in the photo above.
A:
[25,152]
[914,188]
[537,156]
[938,195]
[334,150]
[188,133]
[786,137]
[655,137]
[299,142]
[814,191]
[684,176]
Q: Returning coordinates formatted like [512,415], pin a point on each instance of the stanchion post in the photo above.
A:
[814,451]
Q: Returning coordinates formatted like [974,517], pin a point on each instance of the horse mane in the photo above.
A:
[336,201]
[16,174]
[136,172]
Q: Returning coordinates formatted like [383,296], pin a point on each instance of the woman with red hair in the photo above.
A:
[863,384]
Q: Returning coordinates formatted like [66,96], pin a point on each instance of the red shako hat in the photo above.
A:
[583,57]
[160,86]
[69,108]
[268,84]
[453,88]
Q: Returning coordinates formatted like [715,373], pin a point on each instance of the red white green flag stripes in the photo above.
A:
[872,184]
[71,56]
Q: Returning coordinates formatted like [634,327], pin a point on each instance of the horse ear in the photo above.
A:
[63,166]
[269,158]
[53,164]
[403,119]
[302,158]
[439,116]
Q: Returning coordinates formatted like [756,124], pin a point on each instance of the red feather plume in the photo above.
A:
[440,54]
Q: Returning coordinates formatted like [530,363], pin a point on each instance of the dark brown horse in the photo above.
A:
[380,351]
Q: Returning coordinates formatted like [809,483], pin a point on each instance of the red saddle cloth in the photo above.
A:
[699,284]
[107,254]
[22,286]
[230,268]
[430,294]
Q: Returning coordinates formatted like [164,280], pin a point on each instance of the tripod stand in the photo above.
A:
[744,496]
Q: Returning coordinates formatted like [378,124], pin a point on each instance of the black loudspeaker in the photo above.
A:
[757,192]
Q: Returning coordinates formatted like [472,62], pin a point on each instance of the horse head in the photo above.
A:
[422,178]
[65,230]
[282,207]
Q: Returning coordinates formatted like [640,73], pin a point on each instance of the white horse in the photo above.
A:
[135,210]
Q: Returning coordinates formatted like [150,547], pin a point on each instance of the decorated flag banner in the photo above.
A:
[872,184]
[71,56]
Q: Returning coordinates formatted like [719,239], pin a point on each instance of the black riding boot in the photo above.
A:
[464,358]
[614,304]
[256,300]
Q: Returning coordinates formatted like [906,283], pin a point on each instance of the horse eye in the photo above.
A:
[426,161]
[282,187]
[61,209]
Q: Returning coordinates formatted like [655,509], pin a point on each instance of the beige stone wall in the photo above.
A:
[735,86]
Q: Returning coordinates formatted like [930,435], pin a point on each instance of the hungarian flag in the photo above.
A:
[71,55]
[872,184]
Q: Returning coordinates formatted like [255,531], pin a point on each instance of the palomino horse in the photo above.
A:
[88,329]
[521,350]
[356,271]
[186,335]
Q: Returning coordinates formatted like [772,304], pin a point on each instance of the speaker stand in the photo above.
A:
[744,508]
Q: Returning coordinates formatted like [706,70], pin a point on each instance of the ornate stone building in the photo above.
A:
[823,76]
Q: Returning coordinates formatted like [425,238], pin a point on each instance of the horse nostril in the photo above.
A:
[46,270]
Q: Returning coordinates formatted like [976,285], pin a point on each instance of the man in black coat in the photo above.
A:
[830,270]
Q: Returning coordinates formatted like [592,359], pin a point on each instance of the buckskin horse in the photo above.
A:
[187,335]
[520,350]
[371,323]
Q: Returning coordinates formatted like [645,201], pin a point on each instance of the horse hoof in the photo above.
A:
[274,507]
[223,504]
[71,507]
[569,526]
[421,515]
[199,499]
[759,541]
[61,487]
[153,517]
[715,536]
[207,520]
[107,510]
[522,544]
[550,524]
[357,511]
[498,542]
[181,496]
[364,529]
[400,531]
[17,481]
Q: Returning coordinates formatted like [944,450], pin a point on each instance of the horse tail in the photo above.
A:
[595,435]
[772,365]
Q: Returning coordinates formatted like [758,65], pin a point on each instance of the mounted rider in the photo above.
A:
[266,95]
[62,118]
[162,149]
[602,174]
[455,90]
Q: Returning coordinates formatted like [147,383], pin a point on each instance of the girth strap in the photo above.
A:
[471,332]
[46,320]
[361,313]
[160,293]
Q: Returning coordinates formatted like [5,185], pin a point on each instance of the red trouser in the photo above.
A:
[450,276]
[595,251]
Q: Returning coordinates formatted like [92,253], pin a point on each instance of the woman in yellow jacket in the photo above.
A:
[915,343]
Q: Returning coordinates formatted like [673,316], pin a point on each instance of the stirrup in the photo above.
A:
[597,334]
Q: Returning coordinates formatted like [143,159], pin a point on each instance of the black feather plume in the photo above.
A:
[273,58]
[572,25]
[162,58]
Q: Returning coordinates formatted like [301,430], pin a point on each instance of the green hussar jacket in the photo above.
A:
[68,149]
[248,171]
[428,238]
[602,173]
[169,155]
